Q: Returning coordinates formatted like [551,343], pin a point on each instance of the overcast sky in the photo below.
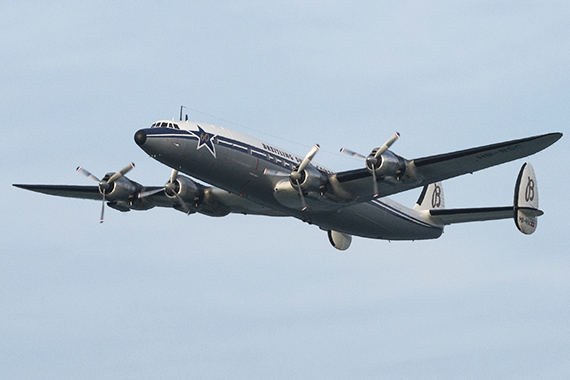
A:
[158,294]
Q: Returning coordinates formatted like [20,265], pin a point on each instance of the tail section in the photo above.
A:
[526,200]
[524,210]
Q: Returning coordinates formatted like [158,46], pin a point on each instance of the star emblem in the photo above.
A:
[205,139]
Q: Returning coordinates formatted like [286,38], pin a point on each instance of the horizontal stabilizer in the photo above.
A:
[464,215]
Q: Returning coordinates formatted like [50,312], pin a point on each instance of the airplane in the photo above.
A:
[248,176]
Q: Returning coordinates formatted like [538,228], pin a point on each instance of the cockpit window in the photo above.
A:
[165,124]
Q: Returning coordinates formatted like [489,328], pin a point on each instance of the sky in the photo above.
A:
[158,294]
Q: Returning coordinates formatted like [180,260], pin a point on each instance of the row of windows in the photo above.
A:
[165,124]
[270,157]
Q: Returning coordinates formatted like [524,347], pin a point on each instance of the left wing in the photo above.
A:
[82,192]
[90,192]
[186,196]
[395,174]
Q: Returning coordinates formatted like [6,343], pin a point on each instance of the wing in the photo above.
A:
[82,192]
[357,184]
[213,201]
[93,193]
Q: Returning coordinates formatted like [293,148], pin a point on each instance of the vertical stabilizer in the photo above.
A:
[431,198]
[526,200]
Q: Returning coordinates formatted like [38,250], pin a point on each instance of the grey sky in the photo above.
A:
[158,294]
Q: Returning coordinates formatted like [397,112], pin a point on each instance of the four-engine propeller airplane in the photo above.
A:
[252,177]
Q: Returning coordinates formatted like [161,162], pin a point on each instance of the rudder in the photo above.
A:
[526,200]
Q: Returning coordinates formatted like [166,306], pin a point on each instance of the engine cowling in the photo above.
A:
[387,165]
[311,179]
[120,190]
[122,195]
[183,188]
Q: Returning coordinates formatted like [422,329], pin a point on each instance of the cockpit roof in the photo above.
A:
[165,124]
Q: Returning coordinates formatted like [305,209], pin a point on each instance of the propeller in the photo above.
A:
[171,188]
[104,185]
[372,159]
[297,174]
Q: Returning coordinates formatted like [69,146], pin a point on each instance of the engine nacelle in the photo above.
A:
[122,195]
[120,190]
[311,179]
[145,203]
[189,191]
[387,165]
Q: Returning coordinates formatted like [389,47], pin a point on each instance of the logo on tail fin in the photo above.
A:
[436,196]
[529,191]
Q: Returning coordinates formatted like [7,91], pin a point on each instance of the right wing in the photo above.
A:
[357,184]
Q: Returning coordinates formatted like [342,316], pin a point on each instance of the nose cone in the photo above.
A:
[140,137]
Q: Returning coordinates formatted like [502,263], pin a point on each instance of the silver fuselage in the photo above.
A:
[236,162]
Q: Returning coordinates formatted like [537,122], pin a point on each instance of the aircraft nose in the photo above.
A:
[140,137]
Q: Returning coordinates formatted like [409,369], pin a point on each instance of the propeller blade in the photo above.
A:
[120,173]
[387,145]
[275,173]
[174,175]
[307,160]
[374,183]
[352,153]
[102,209]
[145,194]
[185,207]
[302,196]
[87,174]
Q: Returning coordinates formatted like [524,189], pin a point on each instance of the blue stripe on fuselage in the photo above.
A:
[263,155]
[225,142]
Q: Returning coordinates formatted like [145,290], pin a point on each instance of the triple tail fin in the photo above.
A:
[524,210]
[431,198]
